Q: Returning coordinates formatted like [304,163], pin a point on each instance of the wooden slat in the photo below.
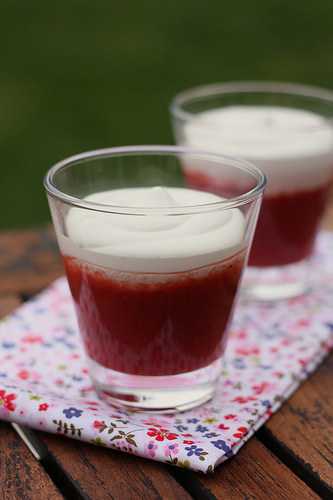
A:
[101,473]
[8,303]
[29,261]
[21,476]
[253,474]
[303,428]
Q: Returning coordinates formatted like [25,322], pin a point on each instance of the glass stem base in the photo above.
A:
[161,394]
[277,283]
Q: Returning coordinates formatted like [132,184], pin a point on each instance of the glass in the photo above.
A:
[286,130]
[153,267]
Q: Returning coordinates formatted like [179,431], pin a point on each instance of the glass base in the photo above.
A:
[276,283]
[164,394]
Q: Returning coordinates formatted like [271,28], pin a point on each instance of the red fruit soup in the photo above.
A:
[288,221]
[145,324]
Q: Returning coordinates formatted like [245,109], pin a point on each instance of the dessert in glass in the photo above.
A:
[153,267]
[287,131]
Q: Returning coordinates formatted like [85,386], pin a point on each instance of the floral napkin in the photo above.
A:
[44,382]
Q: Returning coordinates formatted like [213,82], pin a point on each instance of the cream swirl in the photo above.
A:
[293,147]
[153,243]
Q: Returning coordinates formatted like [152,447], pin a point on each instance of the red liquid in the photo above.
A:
[287,225]
[161,328]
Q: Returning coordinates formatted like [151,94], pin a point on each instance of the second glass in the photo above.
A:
[153,267]
[287,131]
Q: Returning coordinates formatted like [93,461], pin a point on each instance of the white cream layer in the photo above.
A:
[292,146]
[154,243]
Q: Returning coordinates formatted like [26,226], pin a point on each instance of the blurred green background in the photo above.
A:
[78,75]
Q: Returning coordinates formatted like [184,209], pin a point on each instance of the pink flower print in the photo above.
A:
[32,339]
[230,416]
[260,388]
[159,434]
[248,351]
[223,427]
[242,400]
[241,432]
[303,322]
[303,362]
[87,389]
[241,335]
[150,449]
[188,441]
[6,400]
[155,422]
[74,356]
[171,450]
[23,374]
[99,425]
[43,407]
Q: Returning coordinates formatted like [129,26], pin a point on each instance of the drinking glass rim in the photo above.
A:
[247,86]
[229,203]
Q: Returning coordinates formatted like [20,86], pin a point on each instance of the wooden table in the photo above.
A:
[291,457]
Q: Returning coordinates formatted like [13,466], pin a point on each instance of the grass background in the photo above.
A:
[79,75]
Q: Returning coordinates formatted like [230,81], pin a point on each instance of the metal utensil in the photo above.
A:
[36,447]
